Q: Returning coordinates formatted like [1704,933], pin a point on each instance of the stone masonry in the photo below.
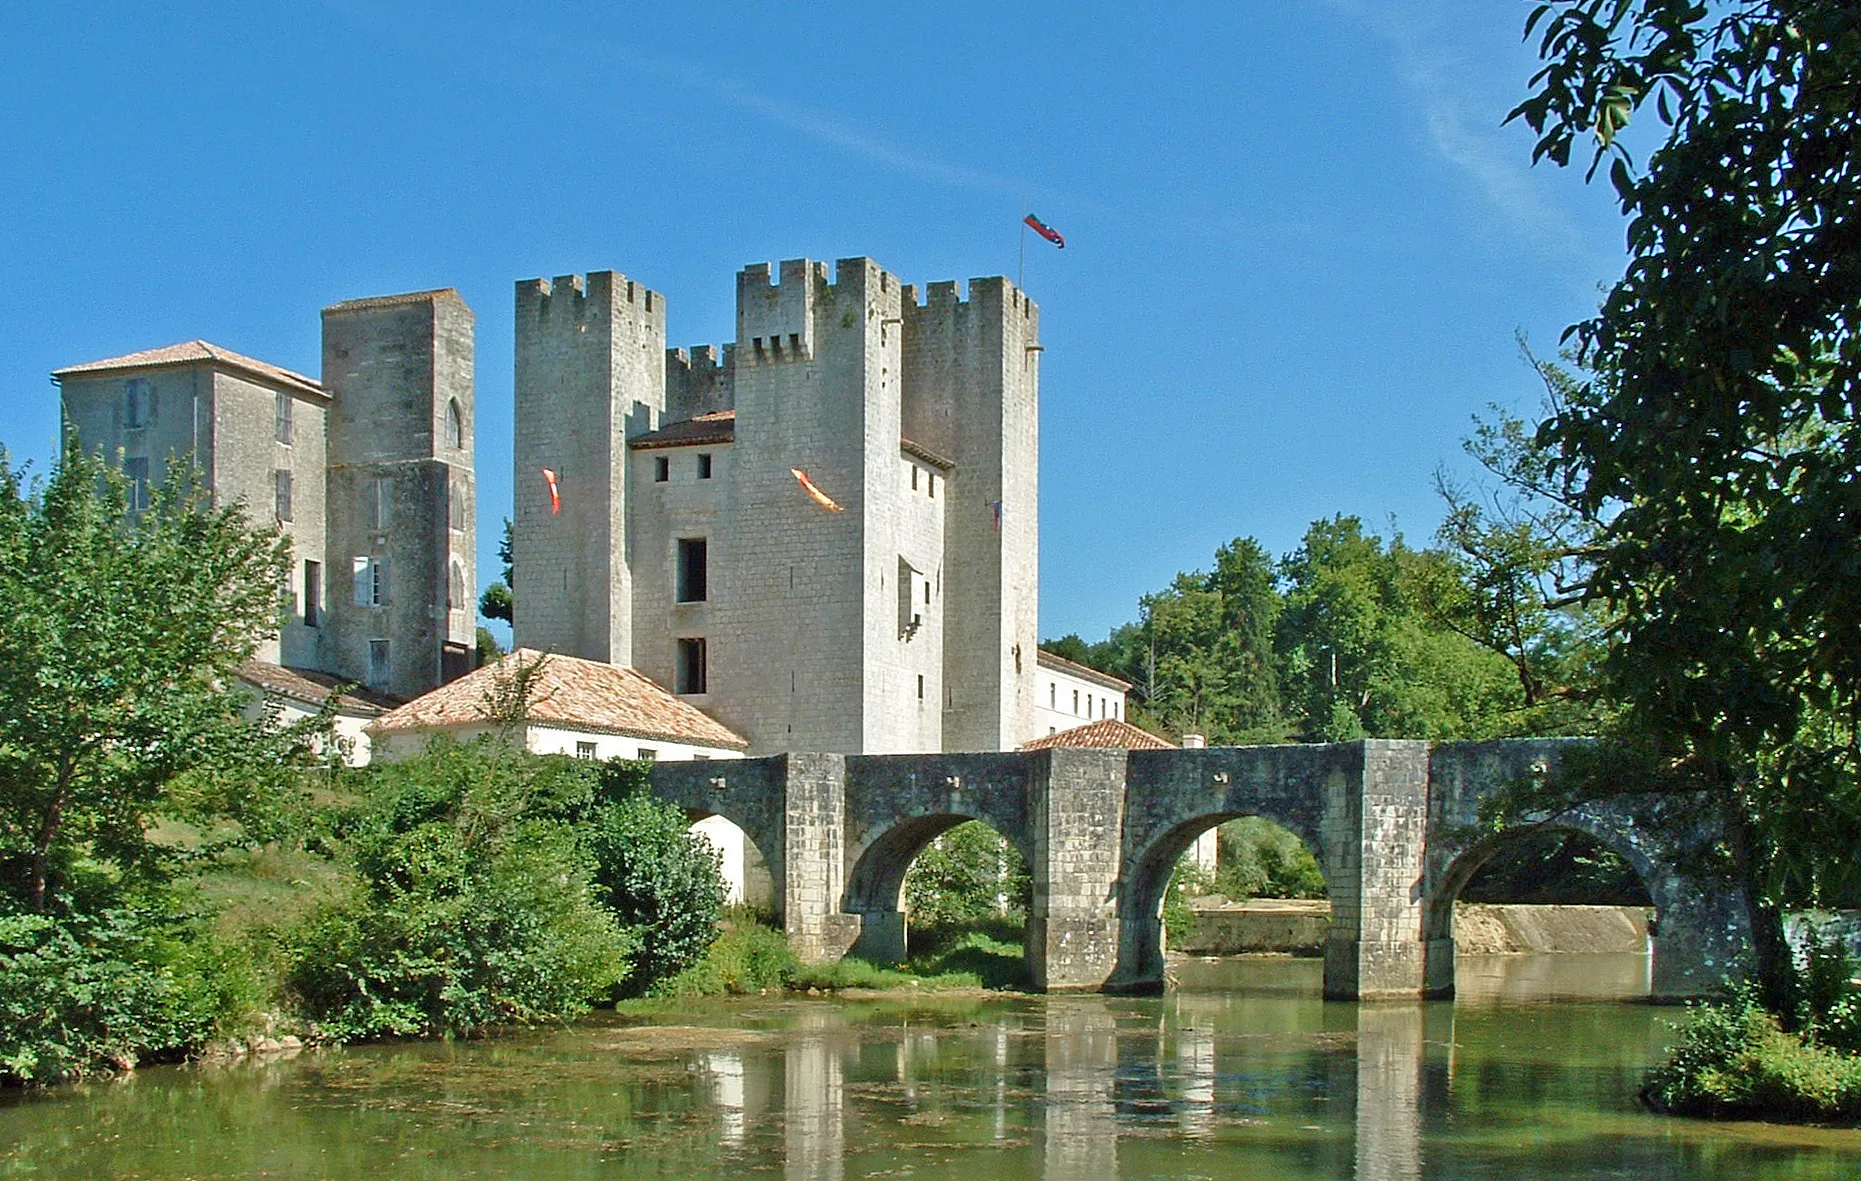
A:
[1102,830]
[903,622]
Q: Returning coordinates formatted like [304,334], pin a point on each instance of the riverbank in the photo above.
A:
[1299,927]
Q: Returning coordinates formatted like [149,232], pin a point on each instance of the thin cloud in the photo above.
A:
[1462,122]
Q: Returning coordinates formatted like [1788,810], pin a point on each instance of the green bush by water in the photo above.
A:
[747,957]
[1736,1060]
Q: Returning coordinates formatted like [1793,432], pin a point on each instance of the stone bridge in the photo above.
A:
[1392,823]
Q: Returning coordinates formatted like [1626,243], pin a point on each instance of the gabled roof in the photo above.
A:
[195,352]
[313,687]
[1106,732]
[1074,668]
[569,693]
[719,426]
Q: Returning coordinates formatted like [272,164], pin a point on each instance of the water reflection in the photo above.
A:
[1241,1082]
[813,1103]
[1389,1090]
[1080,1136]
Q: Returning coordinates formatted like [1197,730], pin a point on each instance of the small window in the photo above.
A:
[1088,707]
[136,472]
[693,570]
[920,686]
[313,593]
[649,753]
[138,401]
[455,586]
[378,502]
[933,484]
[455,504]
[455,425]
[371,582]
[691,670]
[281,493]
[584,750]
[378,671]
[1053,695]
[1075,703]
[704,465]
[286,427]
[914,477]
[662,469]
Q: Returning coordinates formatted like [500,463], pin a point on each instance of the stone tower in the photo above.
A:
[972,391]
[401,534]
[590,372]
[830,623]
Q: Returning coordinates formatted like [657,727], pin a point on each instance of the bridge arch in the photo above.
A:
[896,806]
[1141,958]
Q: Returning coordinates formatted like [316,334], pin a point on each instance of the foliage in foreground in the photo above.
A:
[473,903]
[747,957]
[655,876]
[1737,1059]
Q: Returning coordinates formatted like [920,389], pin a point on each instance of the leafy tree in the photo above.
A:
[968,876]
[499,600]
[121,637]
[1363,657]
[1712,441]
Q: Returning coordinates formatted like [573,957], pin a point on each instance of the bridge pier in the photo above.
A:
[1076,811]
[1377,838]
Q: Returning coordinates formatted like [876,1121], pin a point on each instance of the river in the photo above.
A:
[1240,1072]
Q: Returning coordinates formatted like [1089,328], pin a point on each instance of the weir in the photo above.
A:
[1394,824]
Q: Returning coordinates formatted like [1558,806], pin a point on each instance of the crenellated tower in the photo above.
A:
[972,391]
[590,373]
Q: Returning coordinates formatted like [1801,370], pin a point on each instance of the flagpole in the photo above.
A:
[1021,264]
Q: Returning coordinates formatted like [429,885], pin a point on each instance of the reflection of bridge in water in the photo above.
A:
[1067,1089]
[1392,823]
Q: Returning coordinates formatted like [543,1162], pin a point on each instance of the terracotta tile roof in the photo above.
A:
[313,687]
[1061,664]
[195,352]
[1106,732]
[719,426]
[573,694]
[388,301]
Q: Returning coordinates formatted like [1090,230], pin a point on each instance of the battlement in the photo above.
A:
[698,382]
[775,322]
[606,295]
[992,291]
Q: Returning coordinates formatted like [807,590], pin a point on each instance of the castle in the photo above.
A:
[825,534]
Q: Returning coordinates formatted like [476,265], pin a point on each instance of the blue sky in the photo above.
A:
[1299,243]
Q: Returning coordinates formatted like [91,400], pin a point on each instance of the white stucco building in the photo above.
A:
[1070,694]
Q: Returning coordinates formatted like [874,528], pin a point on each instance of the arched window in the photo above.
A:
[455,425]
[455,588]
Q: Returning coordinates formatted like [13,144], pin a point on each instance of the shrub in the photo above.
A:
[657,875]
[746,957]
[442,938]
[1188,880]
[89,993]
[473,901]
[1735,1060]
